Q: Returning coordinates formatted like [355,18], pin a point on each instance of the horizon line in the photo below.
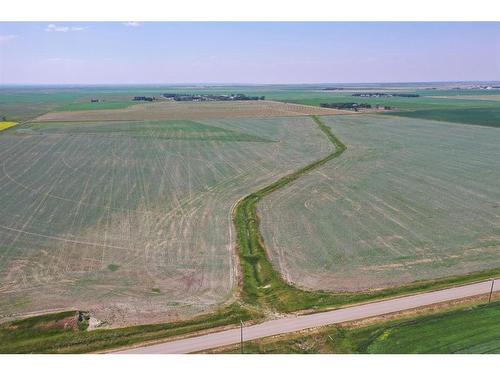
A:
[246,83]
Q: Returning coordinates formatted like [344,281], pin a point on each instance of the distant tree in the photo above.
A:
[348,105]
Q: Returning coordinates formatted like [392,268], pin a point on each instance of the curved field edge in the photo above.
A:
[263,286]
[409,200]
[261,289]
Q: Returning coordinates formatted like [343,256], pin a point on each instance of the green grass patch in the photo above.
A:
[87,106]
[43,334]
[113,267]
[465,330]
[472,116]
[400,103]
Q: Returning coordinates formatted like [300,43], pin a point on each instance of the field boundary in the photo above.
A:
[259,279]
[262,286]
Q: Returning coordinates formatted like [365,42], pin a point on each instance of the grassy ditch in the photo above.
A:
[262,285]
[60,333]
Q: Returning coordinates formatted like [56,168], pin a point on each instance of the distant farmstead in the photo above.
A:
[144,98]
[209,97]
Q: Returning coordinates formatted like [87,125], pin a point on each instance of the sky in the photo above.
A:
[246,53]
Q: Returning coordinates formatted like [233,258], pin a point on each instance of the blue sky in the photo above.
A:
[134,53]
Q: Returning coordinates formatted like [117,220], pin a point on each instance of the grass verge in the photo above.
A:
[59,333]
[470,329]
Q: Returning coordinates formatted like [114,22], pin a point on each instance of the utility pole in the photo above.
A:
[241,336]
[491,290]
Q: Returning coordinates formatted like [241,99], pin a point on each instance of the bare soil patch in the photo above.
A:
[191,111]
[134,224]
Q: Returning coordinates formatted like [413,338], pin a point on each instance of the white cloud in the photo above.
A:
[132,24]
[62,29]
[60,60]
[7,38]
[51,60]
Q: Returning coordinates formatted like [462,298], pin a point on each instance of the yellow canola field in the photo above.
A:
[6,124]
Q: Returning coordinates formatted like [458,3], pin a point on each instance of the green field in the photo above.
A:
[408,200]
[132,220]
[467,330]
[85,106]
[22,103]
[473,116]
[398,103]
